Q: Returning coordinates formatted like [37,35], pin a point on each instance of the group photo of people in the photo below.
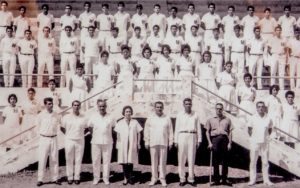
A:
[233,58]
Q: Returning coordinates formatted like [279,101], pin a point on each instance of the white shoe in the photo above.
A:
[95,182]
[106,182]
[251,183]
[163,183]
[152,182]
[268,183]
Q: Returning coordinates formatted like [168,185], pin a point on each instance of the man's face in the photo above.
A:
[267,14]
[230,11]
[104,58]
[156,9]
[9,32]
[174,30]
[68,10]
[139,10]
[28,35]
[22,11]
[191,9]
[125,53]
[278,32]
[49,106]
[68,31]
[173,12]
[45,10]
[187,106]
[194,31]
[287,12]
[3,6]
[251,11]
[31,95]
[79,71]
[76,107]
[51,86]
[102,107]
[228,67]
[137,32]
[46,32]
[260,107]
[120,8]
[219,110]
[237,32]
[159,109]
[211,8]
[206,57]
[114,33]
[155,30]
[247,80]
[257,33]
[87,7]
[91,32]
[216,33]
[105,10]
[290,99]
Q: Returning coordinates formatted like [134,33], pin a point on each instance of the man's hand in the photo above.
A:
[198,144]
[210,146]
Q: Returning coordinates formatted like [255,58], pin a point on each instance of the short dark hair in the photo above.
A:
[45,6]
[255,28]
[121,3]
[289,7]
[140,6]
[278,27]
[87,3]
[157,5]
[272,87]
[174,8]
[260,102]
[267,9]
[9,27]
[101,100]
[191,5]
[125,47]
[104,53]
[146,48]
[187,100]
[5,2]
[206,52]
[12,95]
[31,89]
[52,80]
[219,104]
[115,29]
[211,4]
[156,26]
[68,26]
[22,7]
[79,66]
[195,26]
[137,28]
[236,27]
[158,102]
[91,26]
[27,30]
[76,101]
[105,5]
[48,99]
[228,62]
[250,7]
[125,108]
[289,93]
[231,6]
[247,75]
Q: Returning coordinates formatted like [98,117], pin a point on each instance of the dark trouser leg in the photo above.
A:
[216,158]
[224,157]
[125,171]
[130,171]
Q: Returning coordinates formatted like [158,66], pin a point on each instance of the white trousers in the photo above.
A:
[294,71]
[217,60]
[67,59]
[27,66]
[186,152]
[9,67]
[48,147]
[255,63]
[257,149]
[277,64]
[158,157]
[45,60]
[89,64]
[104,151]
[74,152]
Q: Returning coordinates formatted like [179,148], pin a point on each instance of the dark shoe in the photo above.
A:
[70,182]
[216,183]
[227,183]
[39,183]
[193,184]
[131,182]
[57,182]
[77,182]
[181,184]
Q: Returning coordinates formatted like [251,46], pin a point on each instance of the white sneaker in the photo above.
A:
[251,183]
[106,182]
[163,183]
[95,182]
[268,183]
[152,182]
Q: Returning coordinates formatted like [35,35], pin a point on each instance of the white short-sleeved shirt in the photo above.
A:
[229,22]
[290,111]
[114,44]
[22,24]
[154,41]
[237,44]
[249,22]
[287,25]
[12,116]
[70,20]
[48,123]
[267,25]
[165,66]
[173,21]
[45,20]
[260,126]
[256,45]
[92,46]
[185,64]
[225,78]
[105,21]
[69,44]
[215,45]
[206,71]
[104,72]
[121,21]
[246,93]
[211,21]
[6,18]
[137,45]
[27,46]
[277,45]
[126,66]
[174,42]
[294,45]
[102,128]
[74,125]
[146,66]
[87,19]
[140,20]
[195,42]
[274,106]
[31,107]
[46,46]
[8,45]
[157,19]
[189,20]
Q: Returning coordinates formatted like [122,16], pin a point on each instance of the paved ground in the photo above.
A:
[27,179]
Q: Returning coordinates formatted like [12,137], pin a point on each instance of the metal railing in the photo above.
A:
[65,110]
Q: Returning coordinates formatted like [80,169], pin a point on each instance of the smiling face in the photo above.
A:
[187,106]
[290,99]
[159,109]
[76,107]
[128,113]
[12,101]
[49,106]
[102,107]
[147,54]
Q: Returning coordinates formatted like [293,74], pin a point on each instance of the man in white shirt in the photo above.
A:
[210,21]
[196,43]
[287,23]
[68,19]
[190,19]
[114,44]
[47,124]
[6,19]
[91,47]
[140,19]
[73,126]
[21,23]
[267,25]
[255,49]
[155,42]
[158,136]
[44,19]
[249,22]
[122,20]
[259,130]
[105,21]
[173,20]
[9,49]
[277,48]
[101,125]
[294,59]
[187,138]
[27,50]
[159,19]
[137,43]
[175,42]
[68,47]
[46,51]
[216,47]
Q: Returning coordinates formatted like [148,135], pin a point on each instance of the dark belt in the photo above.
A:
[256,54]
[156,51]
[210,29]
[26,54]
[196,51]
[190,132]
[48,136]
[175,52]
[114,52]
[237,52]
[105,30]
[218,53]
[68,52]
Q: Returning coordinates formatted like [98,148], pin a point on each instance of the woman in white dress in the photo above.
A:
[185,65]
[246,96]
[12,118]
[290,123]
[79,86]
[206,76]
[128,143]
[226,82]
[274,105]
[165,68]
[146,70]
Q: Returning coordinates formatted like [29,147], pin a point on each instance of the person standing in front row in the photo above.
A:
[188,137]
[128,143]
[259,130]
[47,123]
[158,136]
[101,125]
[219,136]
[73,126]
